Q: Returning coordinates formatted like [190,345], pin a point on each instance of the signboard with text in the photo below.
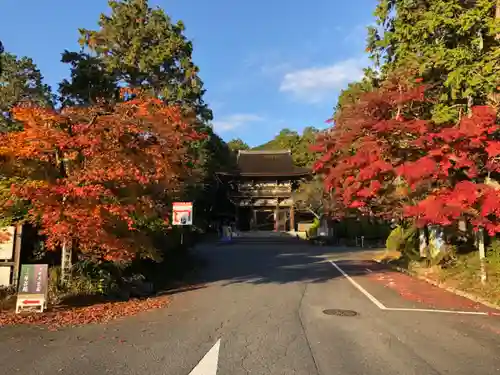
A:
[33,287]
[7,243]
[5,275]
[182,213]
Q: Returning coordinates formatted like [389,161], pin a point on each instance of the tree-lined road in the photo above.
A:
[265,304]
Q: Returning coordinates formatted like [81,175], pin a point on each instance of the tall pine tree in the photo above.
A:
[451,44]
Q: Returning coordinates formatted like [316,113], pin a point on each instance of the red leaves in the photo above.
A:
[91,172]
[362,152]
[466,198]
[100,313]
[418,170]
[383,159]
[493,148]
[357,204]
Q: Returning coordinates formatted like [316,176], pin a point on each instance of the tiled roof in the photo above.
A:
[267,163]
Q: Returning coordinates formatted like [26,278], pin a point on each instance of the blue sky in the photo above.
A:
[266,65]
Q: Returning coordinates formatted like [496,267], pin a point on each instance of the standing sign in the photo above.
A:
[182,213]
[7,237]
[7,243]
[33,286]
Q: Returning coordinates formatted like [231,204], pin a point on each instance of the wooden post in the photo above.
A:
[292,218]
[277,215]
[237,217]
[17,254]
[66,258]
[497,15]
[254,217]
[482,255]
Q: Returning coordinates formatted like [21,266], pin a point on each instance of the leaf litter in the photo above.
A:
[76,316]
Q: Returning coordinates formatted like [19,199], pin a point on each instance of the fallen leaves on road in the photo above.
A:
[99,313]
[415,290]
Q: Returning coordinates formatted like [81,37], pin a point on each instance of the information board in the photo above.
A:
[33,287]
[7,243]
[182,213]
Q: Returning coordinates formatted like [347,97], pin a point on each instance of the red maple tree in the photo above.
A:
[370,138]
[381,158]
[459,167]
[92,175]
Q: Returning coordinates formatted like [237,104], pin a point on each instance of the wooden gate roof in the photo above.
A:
[267,163]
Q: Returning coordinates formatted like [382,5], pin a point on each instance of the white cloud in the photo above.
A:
[231,122]
[321,83]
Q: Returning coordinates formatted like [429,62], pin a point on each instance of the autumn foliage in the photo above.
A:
[95,176]
[384,157]
[96,314]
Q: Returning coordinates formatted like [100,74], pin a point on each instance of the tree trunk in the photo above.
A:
[497,16]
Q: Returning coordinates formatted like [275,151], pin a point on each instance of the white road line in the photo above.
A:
[377,303]
[381,306]
[208,365]
[440,311]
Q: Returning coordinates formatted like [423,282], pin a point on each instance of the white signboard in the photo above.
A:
[182,213]
[5,275]
[7,243]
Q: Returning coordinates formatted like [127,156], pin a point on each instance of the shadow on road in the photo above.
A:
[277,262]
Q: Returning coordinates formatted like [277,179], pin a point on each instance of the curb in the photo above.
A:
[458,292]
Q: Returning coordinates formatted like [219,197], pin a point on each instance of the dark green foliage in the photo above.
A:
[89,81]
[20,81]
[142,48]
[451,44]
[237,144]
[298,144]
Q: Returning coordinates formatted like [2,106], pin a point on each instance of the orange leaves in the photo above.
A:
[40,137]
[95,166]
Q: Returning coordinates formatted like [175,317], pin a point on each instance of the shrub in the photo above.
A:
[404,240]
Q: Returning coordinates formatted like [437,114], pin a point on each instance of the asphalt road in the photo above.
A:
[265,303]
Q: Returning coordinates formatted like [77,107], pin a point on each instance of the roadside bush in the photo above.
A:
[395,240]
[87,279]
[404,240]
[139,278]
[7,297]
[493,254]
[313,229]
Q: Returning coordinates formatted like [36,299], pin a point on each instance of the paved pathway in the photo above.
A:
[265,304]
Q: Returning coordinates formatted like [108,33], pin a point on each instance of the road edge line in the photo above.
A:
[442,286]
[375,301]
[458,312]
